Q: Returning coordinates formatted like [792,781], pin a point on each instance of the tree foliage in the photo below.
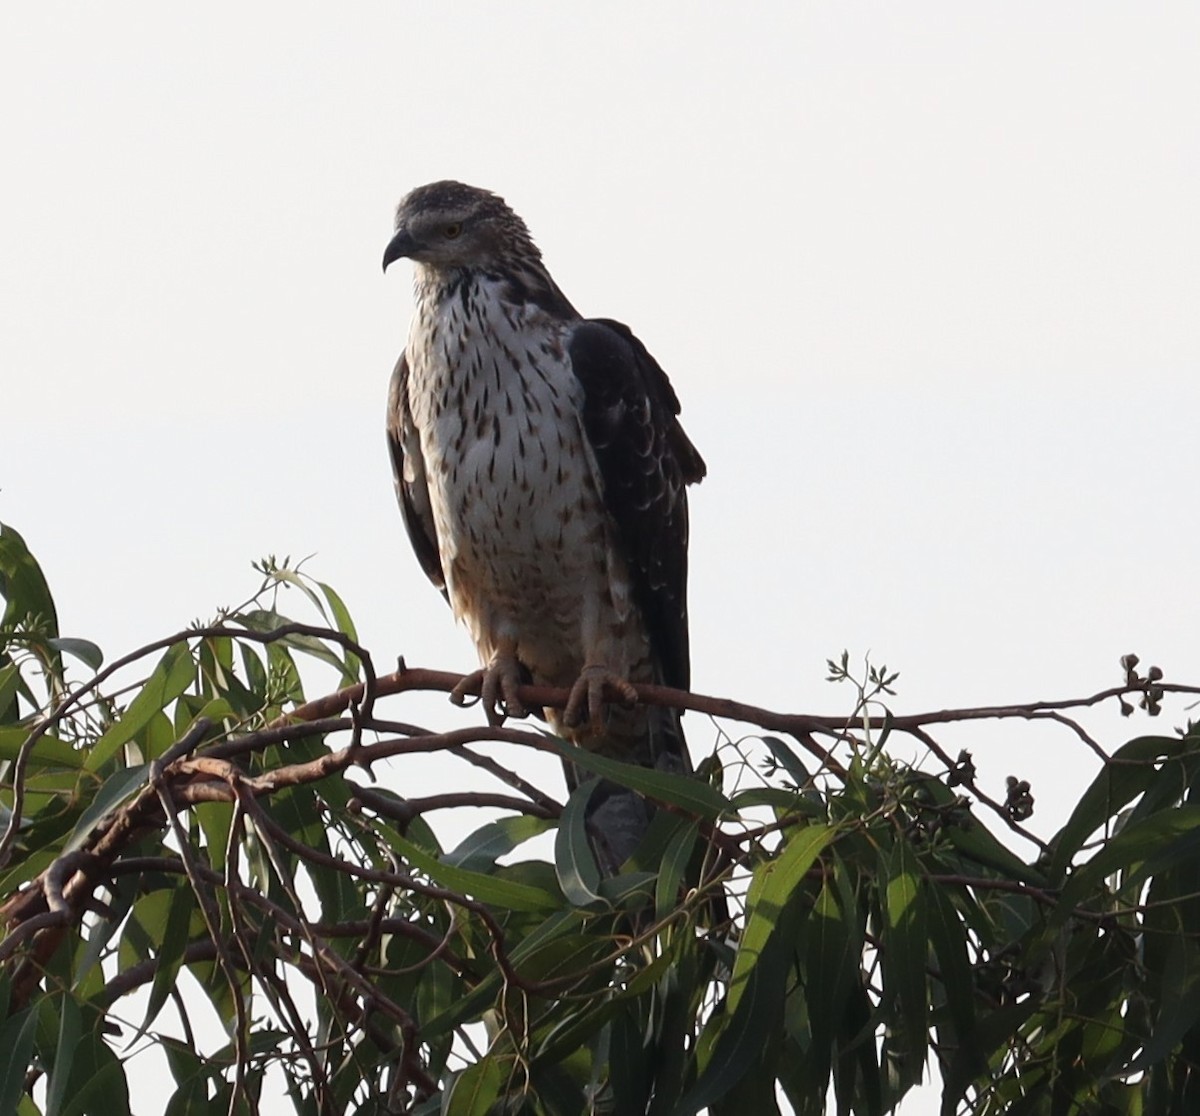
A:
[810,922]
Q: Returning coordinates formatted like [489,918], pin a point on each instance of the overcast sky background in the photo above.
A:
[924,276]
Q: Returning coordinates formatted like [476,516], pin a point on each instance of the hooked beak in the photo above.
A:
[401,245]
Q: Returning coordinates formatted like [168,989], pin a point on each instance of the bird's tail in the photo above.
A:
[617,817]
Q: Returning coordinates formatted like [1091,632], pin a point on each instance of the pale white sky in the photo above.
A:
[925,277]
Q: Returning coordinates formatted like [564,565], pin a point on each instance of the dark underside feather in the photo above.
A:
[646,461]
[411,488]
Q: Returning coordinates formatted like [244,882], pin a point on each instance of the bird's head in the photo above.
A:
[448,225]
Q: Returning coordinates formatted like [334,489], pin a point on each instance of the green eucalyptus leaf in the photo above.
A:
[905,951]
[574,861]
[437,991]
[49,752]
[785,802]
[479,1086]
[99,1086]
[774,883]
[11,684]
[469,1007]
[169,952]
[1130,771]
[1158,841]
[786,757]
[69,1026]
[115,792]
[490,842]
[17,1034]
[574,1032]
[214,820]
[830,972]
[175,671]
[948,935]
[741,1042]
[339,611]
[978,844]
[673,867]
[684,791]
[267,621]
[487,889]
[82,649]
[23,586]
[994,1033]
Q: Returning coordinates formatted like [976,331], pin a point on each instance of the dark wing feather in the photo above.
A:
[408,469]
[646,461]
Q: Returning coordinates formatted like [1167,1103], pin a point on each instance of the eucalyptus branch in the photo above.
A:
[864,852]
[365,694]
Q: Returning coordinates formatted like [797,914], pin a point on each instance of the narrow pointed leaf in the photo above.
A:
[64,1055]
[169,954]
[684,791]
[772,886]
[574,862]
[1130,771]
[788,760]
[674,865]
[487,889]
[478,1087]
[745,1036]
[469,1007]
[17,1035]
[905,950]
[49,751]
[486,845]
[174,672]
[117,789]
[948,935]
[1156,840]
[23,585]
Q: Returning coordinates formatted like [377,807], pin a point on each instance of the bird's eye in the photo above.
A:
[452,230]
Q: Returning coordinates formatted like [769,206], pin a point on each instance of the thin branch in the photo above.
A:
[419,678]
[365,695]
[973,786]
[403,811]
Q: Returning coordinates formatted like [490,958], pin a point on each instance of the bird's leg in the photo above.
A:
[497,684]
[586,702]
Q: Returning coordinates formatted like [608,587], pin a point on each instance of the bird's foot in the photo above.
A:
[592,688]
[497,685]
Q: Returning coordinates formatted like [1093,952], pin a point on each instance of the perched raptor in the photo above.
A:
[541,470]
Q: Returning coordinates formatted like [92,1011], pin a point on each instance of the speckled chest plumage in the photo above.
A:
[525,542]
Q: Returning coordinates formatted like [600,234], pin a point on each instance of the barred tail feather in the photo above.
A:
[617,817]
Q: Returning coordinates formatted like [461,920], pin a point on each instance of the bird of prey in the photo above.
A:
[541,471]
